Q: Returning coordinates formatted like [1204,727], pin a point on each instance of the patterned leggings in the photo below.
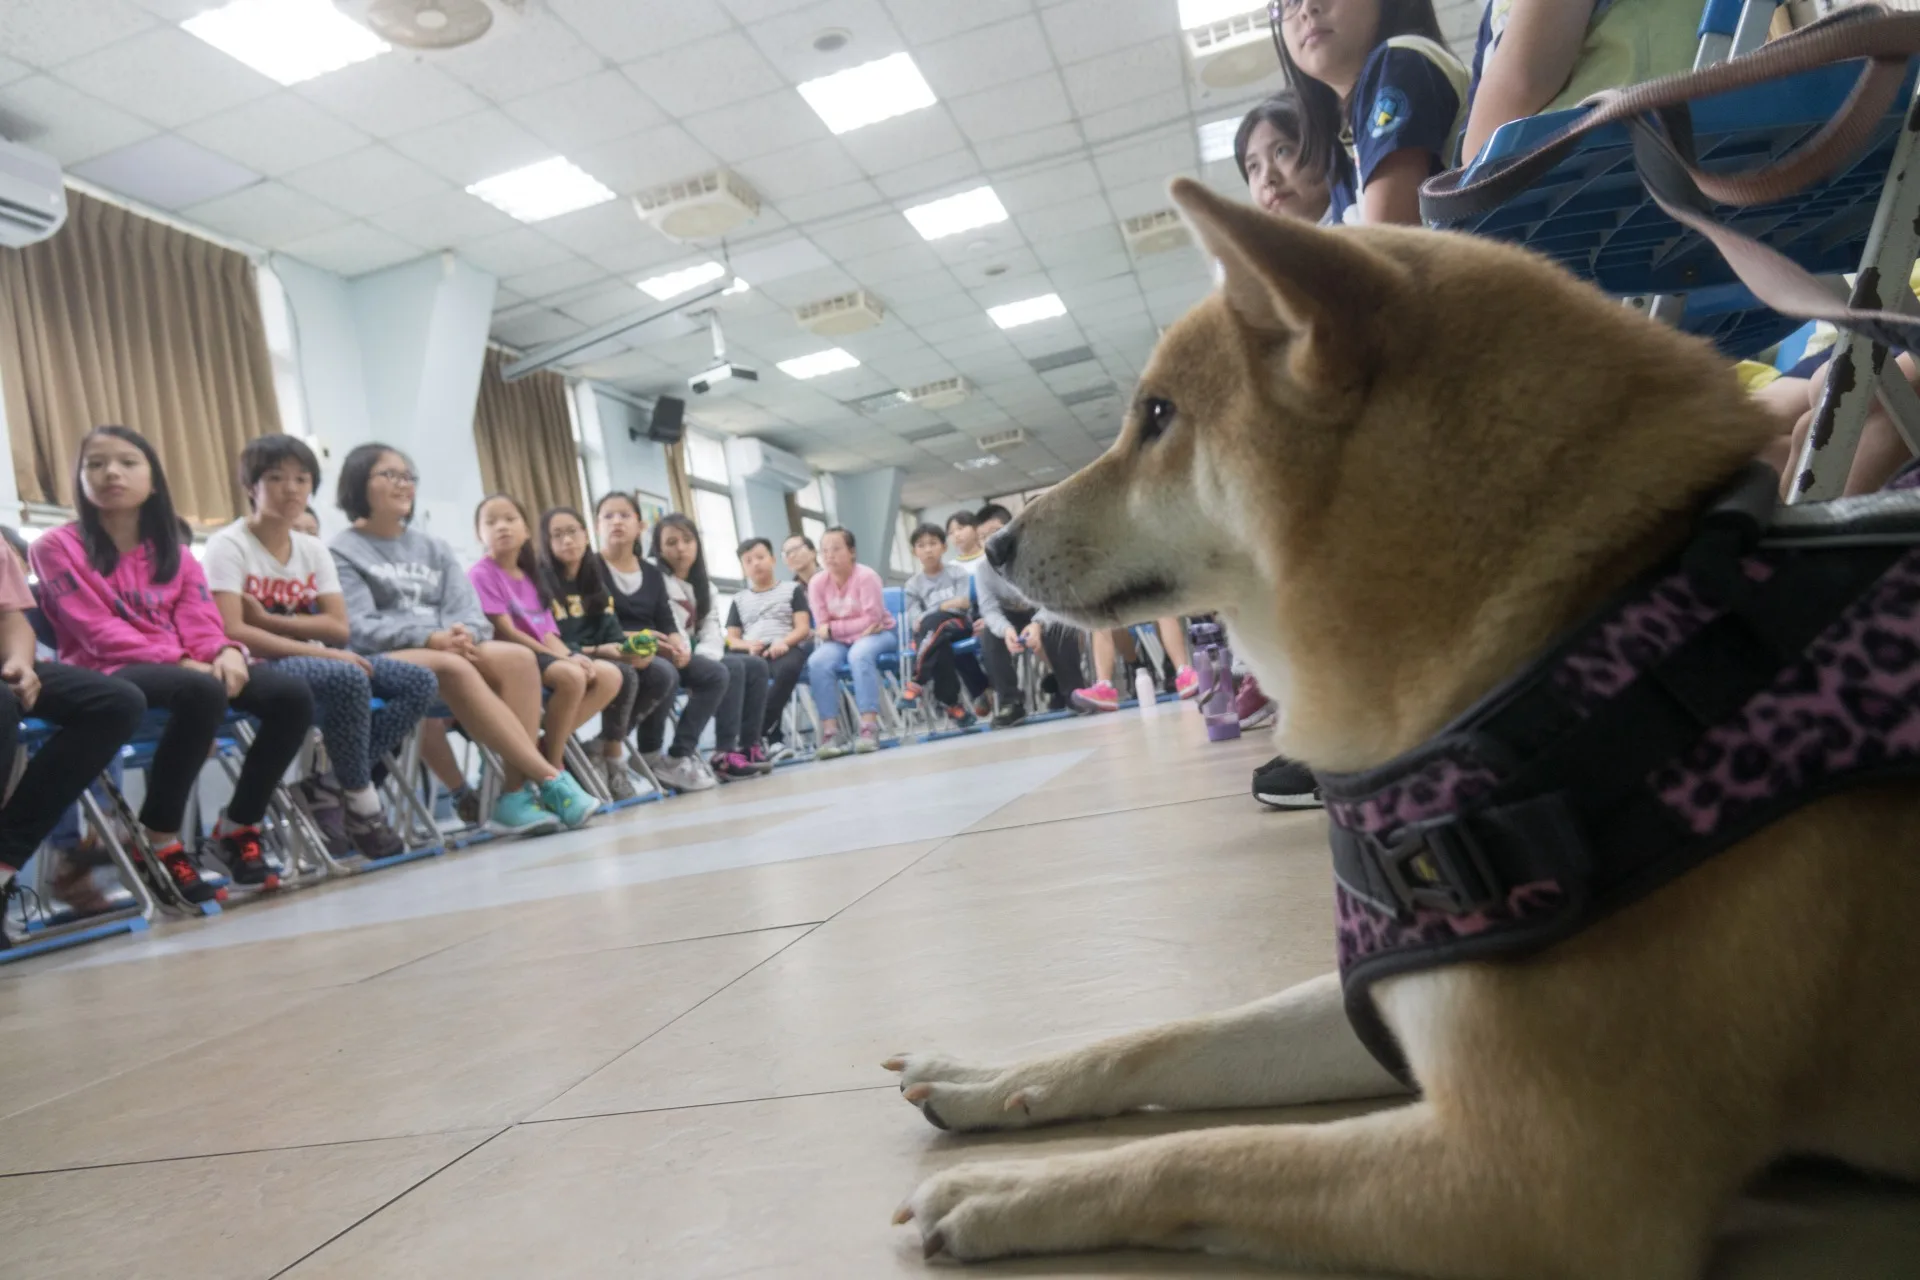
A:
[343,694]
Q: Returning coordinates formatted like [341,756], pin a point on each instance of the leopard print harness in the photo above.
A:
[1773,661]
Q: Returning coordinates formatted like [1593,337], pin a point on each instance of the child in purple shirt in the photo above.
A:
[517,601]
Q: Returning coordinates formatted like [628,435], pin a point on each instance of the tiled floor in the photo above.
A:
[652,1049]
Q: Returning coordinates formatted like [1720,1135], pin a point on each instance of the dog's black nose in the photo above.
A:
[1002,546]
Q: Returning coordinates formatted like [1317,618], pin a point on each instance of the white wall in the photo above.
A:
[632,464]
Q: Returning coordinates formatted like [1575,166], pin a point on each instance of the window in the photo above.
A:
[902,561]
[810,499]
[712,510]
[277,318]
[815,529]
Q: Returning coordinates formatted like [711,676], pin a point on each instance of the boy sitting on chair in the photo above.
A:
[940,613]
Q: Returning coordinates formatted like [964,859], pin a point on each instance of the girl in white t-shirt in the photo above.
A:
[279,594]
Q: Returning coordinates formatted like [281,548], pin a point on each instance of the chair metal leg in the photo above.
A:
[581,766]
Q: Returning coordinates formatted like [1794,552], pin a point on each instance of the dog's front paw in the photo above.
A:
[993,1210]
[955,1095]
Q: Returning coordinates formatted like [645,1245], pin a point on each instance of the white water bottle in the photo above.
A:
[1146,691]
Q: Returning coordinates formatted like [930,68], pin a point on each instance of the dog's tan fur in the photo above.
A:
[1400,463]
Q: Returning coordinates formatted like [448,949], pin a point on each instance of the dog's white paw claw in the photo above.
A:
[964,1098]
[982,1211]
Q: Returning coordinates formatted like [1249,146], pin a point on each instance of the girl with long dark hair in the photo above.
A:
[743,700]
[583,610]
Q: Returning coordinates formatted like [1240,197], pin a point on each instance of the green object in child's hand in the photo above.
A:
[641,644]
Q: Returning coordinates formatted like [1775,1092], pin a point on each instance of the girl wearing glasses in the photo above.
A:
[1375,81]
[408,597]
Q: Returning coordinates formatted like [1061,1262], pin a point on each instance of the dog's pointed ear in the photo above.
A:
[1288,277]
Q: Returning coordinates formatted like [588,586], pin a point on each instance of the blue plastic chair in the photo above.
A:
[1593,215]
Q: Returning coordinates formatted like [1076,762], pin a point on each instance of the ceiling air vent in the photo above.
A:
[1088,395]
[929,433]
[836,317]
[1061,359]
[702,208]
[433,26]
[943,394]
[1234,51]
[1151,233]
[1001,441]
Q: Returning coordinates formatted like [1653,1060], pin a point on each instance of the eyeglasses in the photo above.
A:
[397,477]
[1280,10]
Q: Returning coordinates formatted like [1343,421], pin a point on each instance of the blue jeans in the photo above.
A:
[864,656]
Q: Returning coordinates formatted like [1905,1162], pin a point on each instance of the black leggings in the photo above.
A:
[1062,645]
[706,683]
[786,671]
[95,715]
[743,708]
[197,703]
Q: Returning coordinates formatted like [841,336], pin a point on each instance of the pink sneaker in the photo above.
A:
[1097,697]
[731,765]
[1187,683]
[1252,706]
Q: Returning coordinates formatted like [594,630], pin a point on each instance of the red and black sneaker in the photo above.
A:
[185,877]
[239,848]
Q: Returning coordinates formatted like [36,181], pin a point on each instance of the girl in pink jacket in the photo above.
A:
[126,598]
[849,608]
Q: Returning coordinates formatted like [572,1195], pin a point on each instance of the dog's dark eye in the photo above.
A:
[1156,416]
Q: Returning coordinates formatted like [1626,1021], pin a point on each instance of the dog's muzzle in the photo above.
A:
[1002,546]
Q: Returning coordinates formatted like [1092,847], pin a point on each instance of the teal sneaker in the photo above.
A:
[568,801]
[519,813]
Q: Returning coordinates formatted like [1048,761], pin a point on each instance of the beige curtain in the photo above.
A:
[525,437]
[121,319]
[682,495]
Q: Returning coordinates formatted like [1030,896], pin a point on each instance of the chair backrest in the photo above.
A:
[895,598]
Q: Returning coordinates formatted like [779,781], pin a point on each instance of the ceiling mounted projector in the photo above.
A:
[724,371]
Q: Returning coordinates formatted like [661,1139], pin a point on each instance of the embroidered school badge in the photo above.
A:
[1388,114]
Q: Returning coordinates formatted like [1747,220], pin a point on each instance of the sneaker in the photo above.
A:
[683,773]
[239,848]
[1253,707]
[731,766]
[71,881]
[372,838]
[777,750]
[1186,683]
[910,693]
[1010,715]
[327,807]
[1096,698]
[834,750]
[519,813]
[760,760]
[466,806]
[1281,783]
[184,876]
[983,707]
[564,798]
[9,891]
[961,717]
[868,742]
[619,779]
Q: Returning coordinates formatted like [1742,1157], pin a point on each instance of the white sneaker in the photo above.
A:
[684,773]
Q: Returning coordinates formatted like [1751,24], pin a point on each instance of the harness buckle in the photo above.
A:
[1439,865]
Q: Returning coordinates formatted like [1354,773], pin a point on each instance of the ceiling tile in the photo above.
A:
[277,134]
[916,180]
[474,147]
[165,171]
[352,250]
[1083,29]
[391,95]
[1160,155]
[513,252]
[1065,219]
[1137,116]
[538,53]
[443,219]
[816,205]
[801,170]
[932,284]
[531,327]
[1016,108]
[1054,142]
[986,57]
[646,159]
[624,30]
[778,261]
[269,214]
[748,12]
[1055,184]
[45,33]
[1126,75]
[869,235]
[604,228]
[544,282]
[1077,247]
[787,38]
[11,70]
[166,76]
[1116,268]
[584,111]
[875,270]
[903,141]
[367,181]
[55,118]
[637,258]
[808,286]
[775,124]
[924,21]
[704,75]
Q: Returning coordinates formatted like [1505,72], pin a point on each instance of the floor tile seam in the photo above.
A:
[704,1106]
[242,1151]
[387,1204]
[978,830]
[601,951]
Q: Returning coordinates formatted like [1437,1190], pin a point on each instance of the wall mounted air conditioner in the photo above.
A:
[702,208]
[1234,51]
[842,314]
[943,394]
[1159,232]
[435,26]
[33,201]
[752,459]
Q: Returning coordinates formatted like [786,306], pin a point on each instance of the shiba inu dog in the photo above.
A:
[1401,463]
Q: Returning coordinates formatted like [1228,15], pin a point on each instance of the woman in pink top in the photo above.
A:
[518,602]
[125,598]
[855,628]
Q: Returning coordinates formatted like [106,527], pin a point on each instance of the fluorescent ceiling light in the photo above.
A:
[675,283]
[542,191]
[820,363]
[1015,314]
[869,93]
[286,40]
[1204,13]
[979,207]
[1216,139]
[977,464]
[738,287]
